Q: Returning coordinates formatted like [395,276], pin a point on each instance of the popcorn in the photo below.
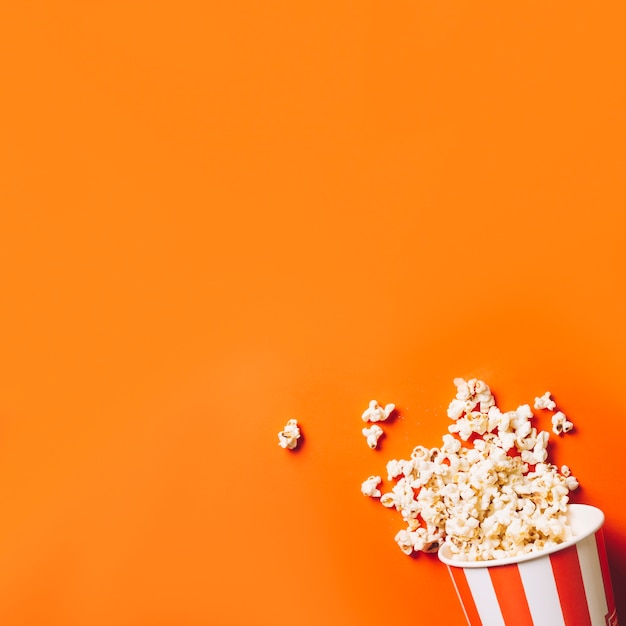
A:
[376,413]
[404,541]
[288,437]
[395,468]
[472,392]
[369,487]
[372,434]
[494,496]
[544,402]
[560,423]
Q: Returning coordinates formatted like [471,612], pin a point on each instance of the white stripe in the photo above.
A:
[592,580]
[459,595]
[484,596]
[541,593]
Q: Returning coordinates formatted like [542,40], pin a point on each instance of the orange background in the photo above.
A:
[216,216]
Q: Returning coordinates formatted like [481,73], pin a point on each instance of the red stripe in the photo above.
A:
[511,595]
[569,584]
[465,595]
[606,575]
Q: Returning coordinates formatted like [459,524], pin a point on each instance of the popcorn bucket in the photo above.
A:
[568,585]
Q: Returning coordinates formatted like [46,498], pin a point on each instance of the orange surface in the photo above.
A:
[216,216]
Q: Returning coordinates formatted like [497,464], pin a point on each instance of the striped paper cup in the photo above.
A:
[568,585]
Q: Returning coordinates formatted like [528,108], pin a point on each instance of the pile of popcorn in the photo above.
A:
[488,492]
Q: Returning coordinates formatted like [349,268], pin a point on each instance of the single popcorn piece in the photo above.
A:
[372,434]
[560,423]
[377,413]
[369,487]
[288,437]
[488,491]
[545,402]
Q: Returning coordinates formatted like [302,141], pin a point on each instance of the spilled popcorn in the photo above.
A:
[288,437]
[372,435]
[545,402]
[377,413]
[369,487]
[488,492]
[560,423]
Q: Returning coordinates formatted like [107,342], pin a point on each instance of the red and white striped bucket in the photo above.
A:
[568,585]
